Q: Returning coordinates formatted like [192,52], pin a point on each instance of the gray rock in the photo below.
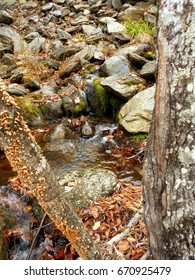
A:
[75,62]
[91,30]
[115,65]
[137,60]
[116,4]
[124,86]
[36,45]
[63,52]
[17,90]
[148,70]
[150,18]
[31,36]
[133,12]
[5,17]
[90,185]
[80,20]
[114,27]
[7,4]
[63,35]
[17,41]
[136,115]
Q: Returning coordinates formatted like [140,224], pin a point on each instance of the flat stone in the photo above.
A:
[124,86]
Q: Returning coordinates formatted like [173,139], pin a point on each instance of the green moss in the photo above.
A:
[80,107]
[100,101]
[134,28]
[29,111]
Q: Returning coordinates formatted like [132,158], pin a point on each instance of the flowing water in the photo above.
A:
[108,148]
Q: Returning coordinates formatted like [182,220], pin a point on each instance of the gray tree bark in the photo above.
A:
[26,158]
[169,168]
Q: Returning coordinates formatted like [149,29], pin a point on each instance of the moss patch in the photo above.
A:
[31,114]
[100,100]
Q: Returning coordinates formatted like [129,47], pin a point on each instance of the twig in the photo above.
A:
[131,223]
[35,238]
[145,255]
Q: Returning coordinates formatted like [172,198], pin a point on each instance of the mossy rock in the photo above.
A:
[31,113]
[100,101]
[104,103]
[73,101]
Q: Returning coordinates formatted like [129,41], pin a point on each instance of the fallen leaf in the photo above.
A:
[96,225]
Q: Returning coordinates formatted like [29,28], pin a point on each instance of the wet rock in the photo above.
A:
[52,108]
[114,65]
[55,134]
[90,185]
[60,147]
[148,70]
[87,130]
[124,86]
[136,115]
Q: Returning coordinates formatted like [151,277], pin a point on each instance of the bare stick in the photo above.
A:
[35,238]
[131,223]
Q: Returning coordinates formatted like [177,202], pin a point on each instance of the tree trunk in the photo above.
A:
[26,158]
[169,172]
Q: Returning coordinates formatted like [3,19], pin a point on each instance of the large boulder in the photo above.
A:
[136,115]
[124,86]
[89,185]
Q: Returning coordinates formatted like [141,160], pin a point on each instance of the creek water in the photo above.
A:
[109,148]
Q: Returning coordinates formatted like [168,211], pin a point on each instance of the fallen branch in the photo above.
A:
[131,223]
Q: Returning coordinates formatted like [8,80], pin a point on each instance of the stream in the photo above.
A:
[109,148]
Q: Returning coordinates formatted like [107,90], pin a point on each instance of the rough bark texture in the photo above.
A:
[169,173]
[26,158]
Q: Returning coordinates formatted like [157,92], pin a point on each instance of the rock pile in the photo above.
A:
[66,58]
